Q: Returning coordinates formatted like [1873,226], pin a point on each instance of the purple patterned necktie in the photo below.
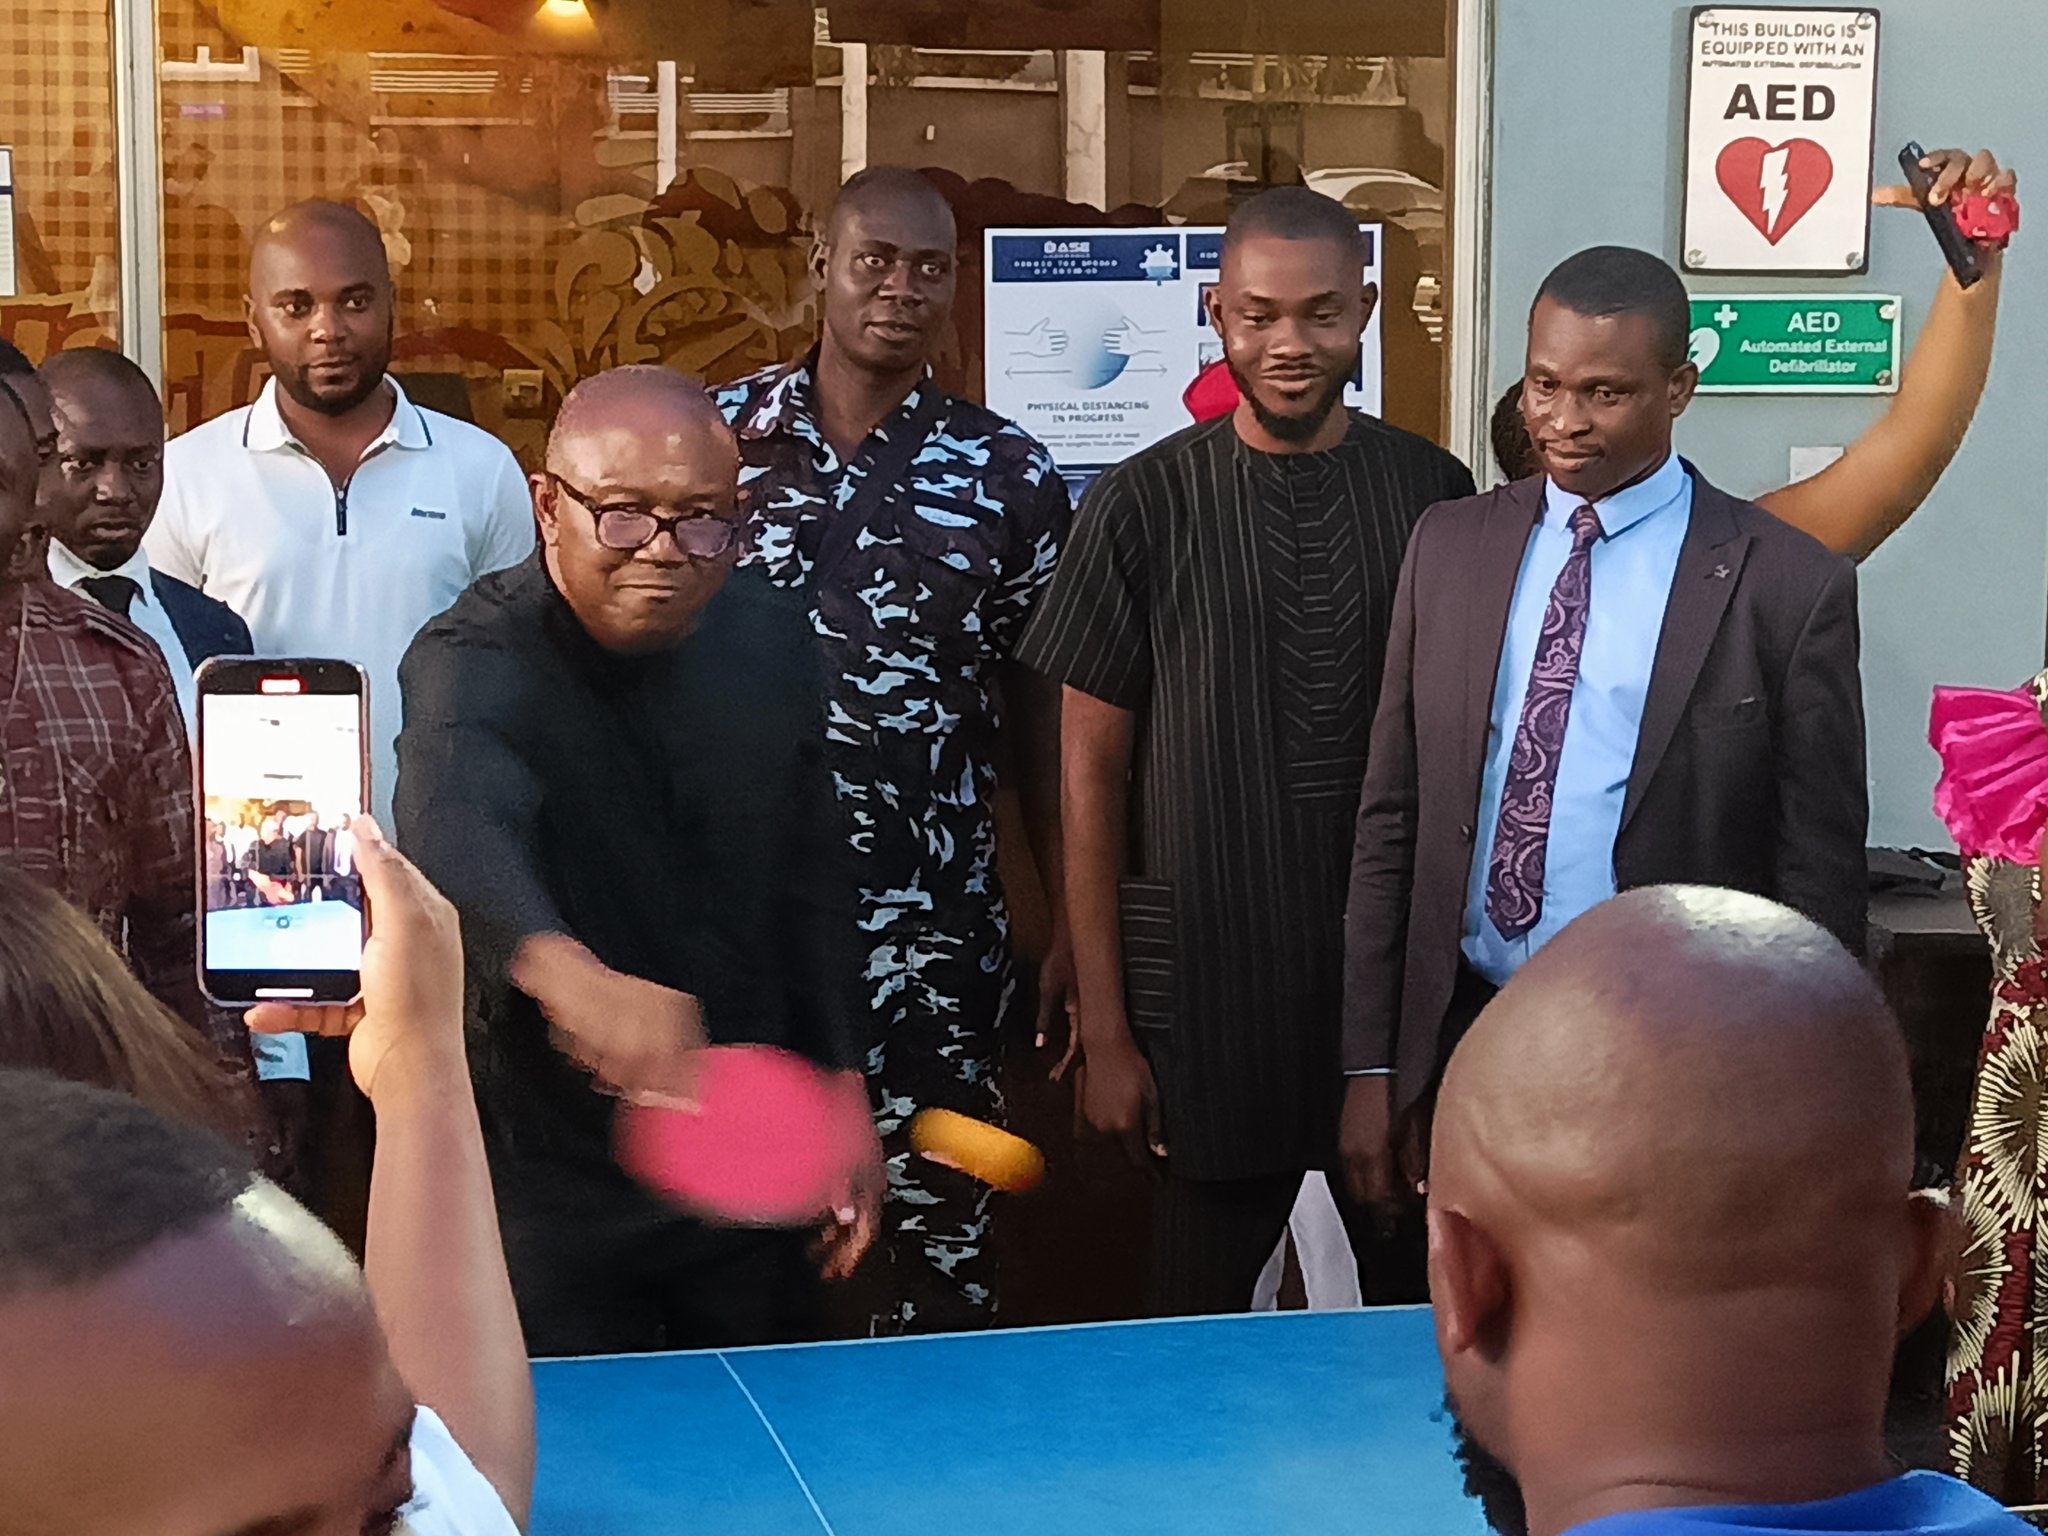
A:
[1521,838]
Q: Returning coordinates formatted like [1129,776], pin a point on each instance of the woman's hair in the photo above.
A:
[70,1005]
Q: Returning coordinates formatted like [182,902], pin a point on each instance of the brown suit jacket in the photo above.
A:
[1748,768]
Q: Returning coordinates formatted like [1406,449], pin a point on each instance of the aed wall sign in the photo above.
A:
[1781,109]
[1804,344]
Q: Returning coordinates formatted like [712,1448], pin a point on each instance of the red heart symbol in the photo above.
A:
[1775,185]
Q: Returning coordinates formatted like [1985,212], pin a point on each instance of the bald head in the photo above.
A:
[1670,1175]
[639,506]
[634,400]
[1650,1077]
[160,1311]
[318,221]
[83,367]
[893,191]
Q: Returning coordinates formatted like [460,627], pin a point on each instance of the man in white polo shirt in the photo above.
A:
[334,515]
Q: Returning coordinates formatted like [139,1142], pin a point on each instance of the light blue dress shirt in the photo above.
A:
[1634,563]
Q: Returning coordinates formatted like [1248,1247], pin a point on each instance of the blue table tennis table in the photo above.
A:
[1278,1424]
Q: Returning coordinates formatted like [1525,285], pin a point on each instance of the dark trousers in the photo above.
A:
[1211,1237]
[597,1272]
[934,1267]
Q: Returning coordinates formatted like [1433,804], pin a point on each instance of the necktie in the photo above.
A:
[1521,838]
[115,593]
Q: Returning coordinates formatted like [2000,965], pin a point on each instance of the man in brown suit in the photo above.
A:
[1606,676]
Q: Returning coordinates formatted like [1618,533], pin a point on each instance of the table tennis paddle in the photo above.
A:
[766,1139]
[978,1149]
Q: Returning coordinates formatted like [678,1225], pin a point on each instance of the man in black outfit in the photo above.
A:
[276,861]
[313,851]
[612,764]
[1219,621]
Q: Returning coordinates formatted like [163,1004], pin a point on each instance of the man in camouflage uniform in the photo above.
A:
[923,529]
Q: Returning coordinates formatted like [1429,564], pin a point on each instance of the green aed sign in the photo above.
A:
[1810,344]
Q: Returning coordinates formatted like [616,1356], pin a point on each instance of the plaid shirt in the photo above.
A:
[96,787]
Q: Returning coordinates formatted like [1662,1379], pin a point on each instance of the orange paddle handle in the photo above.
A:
[977,1149]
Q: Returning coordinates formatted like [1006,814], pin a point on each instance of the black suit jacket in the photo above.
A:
[206,627]
[1749,765]
[671,812]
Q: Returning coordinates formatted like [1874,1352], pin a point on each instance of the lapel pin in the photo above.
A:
[1720,573]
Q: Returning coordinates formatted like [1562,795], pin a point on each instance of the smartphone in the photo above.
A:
[284,771]
[1961,254]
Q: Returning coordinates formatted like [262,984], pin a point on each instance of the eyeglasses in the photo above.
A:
[629,526]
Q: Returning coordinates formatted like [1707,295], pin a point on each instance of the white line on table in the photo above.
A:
[787,1460]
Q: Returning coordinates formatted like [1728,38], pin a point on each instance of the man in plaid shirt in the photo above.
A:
[95,779]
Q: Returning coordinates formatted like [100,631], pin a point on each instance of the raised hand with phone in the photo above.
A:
[1883,477]
[432,1255]
[284,781]
[1971,205]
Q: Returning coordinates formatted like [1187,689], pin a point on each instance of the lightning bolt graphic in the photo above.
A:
[1775,186]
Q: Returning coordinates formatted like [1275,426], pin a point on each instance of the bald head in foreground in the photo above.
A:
[185,1351]
[1673,1241]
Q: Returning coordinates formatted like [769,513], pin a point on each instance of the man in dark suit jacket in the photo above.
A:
[101,501]
[613,764]
[206,627]
[1609,676]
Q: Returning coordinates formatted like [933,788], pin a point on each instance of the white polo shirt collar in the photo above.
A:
[264,429]
[349,570]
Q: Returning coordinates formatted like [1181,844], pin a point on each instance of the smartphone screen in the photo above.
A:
[283,777]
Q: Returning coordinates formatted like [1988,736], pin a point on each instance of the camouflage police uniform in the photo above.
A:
[918,582]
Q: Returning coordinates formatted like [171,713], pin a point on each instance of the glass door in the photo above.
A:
[564,186]
[59,223]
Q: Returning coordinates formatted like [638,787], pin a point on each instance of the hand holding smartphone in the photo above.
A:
[283,775]
[1961,254]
